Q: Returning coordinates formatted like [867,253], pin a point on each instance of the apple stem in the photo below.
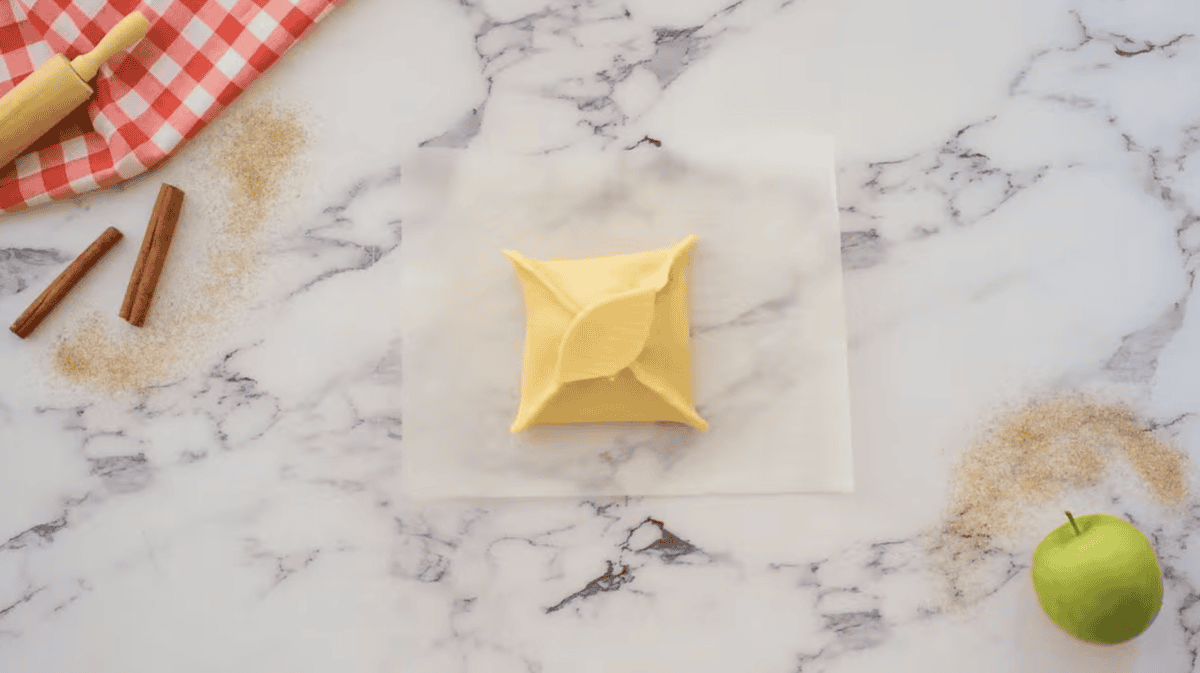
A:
[1073,524]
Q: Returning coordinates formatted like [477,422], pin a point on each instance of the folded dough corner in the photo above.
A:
[607,339]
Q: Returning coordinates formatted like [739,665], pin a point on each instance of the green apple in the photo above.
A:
[1098,578]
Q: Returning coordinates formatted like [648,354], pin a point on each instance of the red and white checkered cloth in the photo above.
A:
[198,57]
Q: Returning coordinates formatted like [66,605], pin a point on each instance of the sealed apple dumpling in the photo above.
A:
[607,339]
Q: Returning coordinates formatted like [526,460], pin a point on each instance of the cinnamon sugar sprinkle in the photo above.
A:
[1031,457]
[246,168]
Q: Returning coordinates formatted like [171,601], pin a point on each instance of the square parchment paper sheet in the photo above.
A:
[767,318]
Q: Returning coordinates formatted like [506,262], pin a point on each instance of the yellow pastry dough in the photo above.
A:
[607,339]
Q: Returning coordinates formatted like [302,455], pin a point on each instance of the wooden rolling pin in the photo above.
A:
[48,95]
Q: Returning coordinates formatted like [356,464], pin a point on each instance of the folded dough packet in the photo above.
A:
[607,339]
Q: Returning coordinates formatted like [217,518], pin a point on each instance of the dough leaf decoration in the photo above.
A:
[606,338]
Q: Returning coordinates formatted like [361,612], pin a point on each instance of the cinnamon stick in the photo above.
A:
[153,255]
[50,298]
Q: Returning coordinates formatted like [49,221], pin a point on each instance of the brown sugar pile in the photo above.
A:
[1033,456]
[246,168]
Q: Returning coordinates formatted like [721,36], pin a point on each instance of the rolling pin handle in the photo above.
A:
[124,35]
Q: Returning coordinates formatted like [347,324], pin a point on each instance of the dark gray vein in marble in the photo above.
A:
[957,165]
[612,580]
[966,183]
[1136,360]
[20,267]
[83,587]
[459,135]
[862,249]
[664,51]
[665,547]
[228,392]
[329,244]
[25,598]
[675,49]
[1153,425]
[766,311]
[1181,596]
[288,565]
[646,140]
[40,535]
[283,565]
[423,556]
[123,474]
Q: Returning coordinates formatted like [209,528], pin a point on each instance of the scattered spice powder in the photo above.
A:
[1032,456]
[246,168]
[258,155]
[101,360]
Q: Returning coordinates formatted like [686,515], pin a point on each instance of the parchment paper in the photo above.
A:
[767,318]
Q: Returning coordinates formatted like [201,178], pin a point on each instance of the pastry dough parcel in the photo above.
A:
[607,339]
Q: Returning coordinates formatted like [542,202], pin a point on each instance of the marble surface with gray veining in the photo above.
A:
[1020,214]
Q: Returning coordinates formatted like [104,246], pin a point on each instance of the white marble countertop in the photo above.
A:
[1019,216]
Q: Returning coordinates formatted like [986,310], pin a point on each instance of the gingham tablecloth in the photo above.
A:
[198,57]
